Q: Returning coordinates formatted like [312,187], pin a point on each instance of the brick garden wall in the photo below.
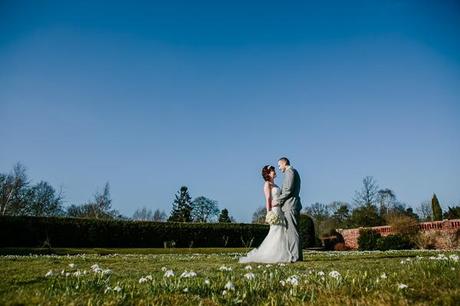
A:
[443,227]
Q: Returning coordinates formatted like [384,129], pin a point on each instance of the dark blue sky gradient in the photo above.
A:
[151,96]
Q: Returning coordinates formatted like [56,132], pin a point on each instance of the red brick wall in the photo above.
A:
[351,235]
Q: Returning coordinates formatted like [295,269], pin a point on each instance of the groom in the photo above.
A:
[291,206]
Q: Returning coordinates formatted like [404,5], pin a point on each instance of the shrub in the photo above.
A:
[394,242]
[340,246]
[76,232]
[367,239]
[306,231]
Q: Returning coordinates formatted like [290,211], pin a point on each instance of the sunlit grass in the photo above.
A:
[338,278]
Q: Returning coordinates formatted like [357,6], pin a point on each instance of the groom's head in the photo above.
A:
[283,163]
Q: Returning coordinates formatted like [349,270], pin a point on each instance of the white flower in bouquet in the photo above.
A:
[272,218]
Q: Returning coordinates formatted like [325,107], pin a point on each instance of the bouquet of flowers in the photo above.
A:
[273,218]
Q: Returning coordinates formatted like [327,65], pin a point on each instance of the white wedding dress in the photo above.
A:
[274,248]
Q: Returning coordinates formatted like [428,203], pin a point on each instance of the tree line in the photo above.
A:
[371,206]
[19,197]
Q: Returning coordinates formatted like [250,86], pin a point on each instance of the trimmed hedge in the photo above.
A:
[76,232]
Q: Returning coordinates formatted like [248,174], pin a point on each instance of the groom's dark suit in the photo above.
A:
[291,206]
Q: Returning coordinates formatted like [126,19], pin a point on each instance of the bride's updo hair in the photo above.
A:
[266,172]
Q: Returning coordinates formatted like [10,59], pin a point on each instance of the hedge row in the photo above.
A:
[76,232]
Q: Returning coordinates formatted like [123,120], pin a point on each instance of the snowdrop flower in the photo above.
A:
[185,290]
[268,265]
[334,274]
[117,288]
[224,292]
[107,290]
[77,273]
[67,274]
[94,267]
[282,282]
[293,280]
[71,265]
[149,277]
[106,272]
[402,286]
[224,268]
[321,273]
[229,286]
[259,266]
[169,273]
[164,269]
[454,257]
[248,267]
[250,276]
[142,280]
[49,273]
[187,274]
[207,282]
[383,275]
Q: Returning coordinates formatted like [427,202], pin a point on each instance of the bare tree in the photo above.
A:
[12,190]
[42,200]
[424,211]
[367,196]
[386,199]
[143,214]
[259,215]
[159,216]
[204,209]
[99,208]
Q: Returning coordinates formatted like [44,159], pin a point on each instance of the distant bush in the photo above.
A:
[368,239]
[76,232]
[394,242]
[306,231]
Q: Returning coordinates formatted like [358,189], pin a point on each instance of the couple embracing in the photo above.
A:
[282,243]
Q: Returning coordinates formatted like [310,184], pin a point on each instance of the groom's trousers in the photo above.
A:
[294,243]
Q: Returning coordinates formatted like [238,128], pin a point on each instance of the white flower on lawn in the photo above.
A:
[225,268]
[106,272]
[49,273]
[454,257]
[229,286]
[62,272]
[107,290]
[334,274]
[293,280]
[248,267]
[67,274]
[281,264]
[117,288]
[250,276]
[224,292]
[453,269]
[268,265]
[282,282]
[259,266]
[169,273]
[383,275]
[94,267]
[207,282]
[185,290]
[77,273]
[71,265]
[187,274]
[321,273]
[142,280]
[402,286]
[149,277]
[164,269]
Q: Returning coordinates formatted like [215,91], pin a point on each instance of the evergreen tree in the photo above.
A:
[182,206]
[224,216]
[436,208]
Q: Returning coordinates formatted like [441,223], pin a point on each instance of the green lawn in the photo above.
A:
[213,276]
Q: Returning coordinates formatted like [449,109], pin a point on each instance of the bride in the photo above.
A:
[274,248]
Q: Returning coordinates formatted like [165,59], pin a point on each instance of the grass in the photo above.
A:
[140,276]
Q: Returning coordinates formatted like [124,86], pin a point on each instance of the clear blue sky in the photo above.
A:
[151,96]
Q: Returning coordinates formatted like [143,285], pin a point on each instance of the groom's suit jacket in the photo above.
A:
[289,198]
